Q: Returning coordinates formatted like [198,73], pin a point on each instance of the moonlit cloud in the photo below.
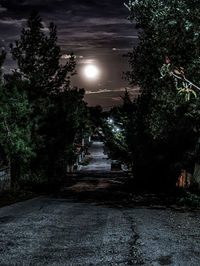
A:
[106,21]
[110,98]
[45,28]
[129,36]
[122,49]
[97,92]
[116,99]
[135,90]
[11,21]
[87,61]
[66,56]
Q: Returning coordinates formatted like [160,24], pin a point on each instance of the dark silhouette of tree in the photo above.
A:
[57,110]
[16,147]
[38,57]
[166,125]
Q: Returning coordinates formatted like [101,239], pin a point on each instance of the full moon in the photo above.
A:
[91,72]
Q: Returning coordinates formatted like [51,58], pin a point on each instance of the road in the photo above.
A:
[97,159]
[53,231]
[63,230]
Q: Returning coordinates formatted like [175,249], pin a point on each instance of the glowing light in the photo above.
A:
[91,71]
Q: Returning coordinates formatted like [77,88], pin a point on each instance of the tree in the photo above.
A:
[15,135]
[15,126]
[168,123]
[115,129]
[68,114]
[38,57]
[56,106]
[2,59]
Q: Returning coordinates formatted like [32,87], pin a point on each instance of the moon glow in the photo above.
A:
[91,72]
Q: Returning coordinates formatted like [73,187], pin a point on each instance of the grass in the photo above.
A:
[190,199]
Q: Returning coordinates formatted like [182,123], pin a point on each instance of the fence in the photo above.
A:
[5,179]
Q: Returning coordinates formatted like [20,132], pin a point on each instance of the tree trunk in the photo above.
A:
[196,175]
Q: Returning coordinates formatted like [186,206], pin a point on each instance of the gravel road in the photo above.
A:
[58,231]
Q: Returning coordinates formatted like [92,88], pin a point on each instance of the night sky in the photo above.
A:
[97,32]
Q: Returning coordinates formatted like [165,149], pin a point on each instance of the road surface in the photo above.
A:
[57,231]
[96,160]
[65,231]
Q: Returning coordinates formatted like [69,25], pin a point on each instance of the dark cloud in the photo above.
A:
[92,29]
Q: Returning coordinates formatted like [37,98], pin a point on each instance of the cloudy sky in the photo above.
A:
[96,31]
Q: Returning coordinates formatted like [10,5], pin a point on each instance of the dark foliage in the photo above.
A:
[41,114]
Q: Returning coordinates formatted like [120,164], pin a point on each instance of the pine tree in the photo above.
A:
[38,57]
